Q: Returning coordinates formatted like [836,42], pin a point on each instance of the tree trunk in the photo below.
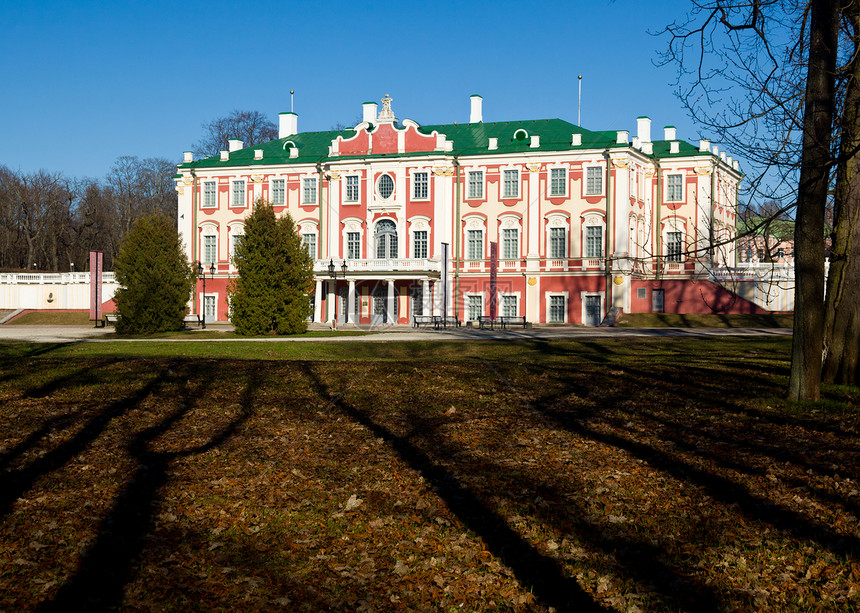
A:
[842,312]
[807,343]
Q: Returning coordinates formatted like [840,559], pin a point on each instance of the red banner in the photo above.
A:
[96,263]
[494,270]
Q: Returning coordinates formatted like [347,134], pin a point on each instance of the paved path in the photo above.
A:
[65,334]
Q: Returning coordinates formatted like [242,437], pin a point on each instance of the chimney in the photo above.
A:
[723,156]
[368,112]
[534,141]
[716,150]
[648,148]
[289,124]
[494,144]
[225,155]
[669,133]
[643,129]
[704,145]
[673,146]
[188,157]
[235,144]
[621,137]
[575,140]
[476,114]
[258,154]
[736,165]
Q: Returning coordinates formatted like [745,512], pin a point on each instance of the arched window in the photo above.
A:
[386,240]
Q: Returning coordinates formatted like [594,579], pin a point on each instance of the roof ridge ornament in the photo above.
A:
[386,115]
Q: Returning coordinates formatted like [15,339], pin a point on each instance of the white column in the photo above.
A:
[534,224]
[390,306]
[333,218]
[329,303]
[350,303]
[425,296]
[318,302]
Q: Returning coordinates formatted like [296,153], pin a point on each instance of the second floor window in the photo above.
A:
[352,188]
[386,239]
[557,242]
[475,243]
[353,245]
[309,190]
[510,184]
[593,241]
[674,188]
[419,248]
[278,192]
[593,181]
[237,197]
[476,184]
[209,242]
[557,182]
[674,246]
[510,244]
[209,193]
[420,189]
[310,241]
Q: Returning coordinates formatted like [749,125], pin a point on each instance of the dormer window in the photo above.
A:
[521,135]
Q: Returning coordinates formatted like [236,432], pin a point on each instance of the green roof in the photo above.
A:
[468,139]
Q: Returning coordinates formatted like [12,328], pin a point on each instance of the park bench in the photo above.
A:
[443,321]
[192,319]
[422,320]
[485,321]
[110,318]
[514,320]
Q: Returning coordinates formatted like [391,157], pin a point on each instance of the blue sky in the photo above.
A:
[87,81]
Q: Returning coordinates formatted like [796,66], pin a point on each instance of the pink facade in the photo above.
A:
[583,220]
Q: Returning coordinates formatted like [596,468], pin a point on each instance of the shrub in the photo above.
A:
[154,277]
[271,292]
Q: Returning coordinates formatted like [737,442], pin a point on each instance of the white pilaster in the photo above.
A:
[533,215]
[392,317]
[329,303]
[318,301]
[333,217]
[425,296]
[350,303]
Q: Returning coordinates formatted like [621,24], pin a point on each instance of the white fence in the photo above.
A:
[770,286]
[64,290]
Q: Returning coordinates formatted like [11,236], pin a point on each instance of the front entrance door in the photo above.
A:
[592,310]
[658,301]
[378,310]
[342,316]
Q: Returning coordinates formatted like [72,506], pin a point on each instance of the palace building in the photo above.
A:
[418,220]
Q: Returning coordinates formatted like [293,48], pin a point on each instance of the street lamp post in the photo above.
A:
[332,272]
[202,273]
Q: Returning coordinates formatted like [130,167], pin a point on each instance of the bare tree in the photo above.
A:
[251,127]
[762,74]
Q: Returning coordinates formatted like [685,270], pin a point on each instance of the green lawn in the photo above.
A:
[675,320]
[56,318]
[652,474]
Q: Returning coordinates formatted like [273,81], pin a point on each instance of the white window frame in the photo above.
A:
[233,186]
[306,190]
[235,228]
[415,184]
[564,245]
[504,195]
[601,171]
[603,309]
[467,299]
[672,255]
[214,297]
[468,244]
[666,189]
[214,194]
[353,225]
[348,244]
[504,241]
[557,220]
[479,195]
[549,181]
[376,183]
[415,254]
[203,250]
[548,304]
[396,235]
[346,189]
[282,191]
[592,219]
[501,303]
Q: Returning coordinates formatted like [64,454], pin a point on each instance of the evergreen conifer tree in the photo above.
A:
[154,277]
[271,292]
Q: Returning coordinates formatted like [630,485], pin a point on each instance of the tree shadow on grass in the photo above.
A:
[538,573]
[107,566]
[14,484]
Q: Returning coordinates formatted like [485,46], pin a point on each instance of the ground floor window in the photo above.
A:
[475,306]
[509,306]
[417,300]
[556,309]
